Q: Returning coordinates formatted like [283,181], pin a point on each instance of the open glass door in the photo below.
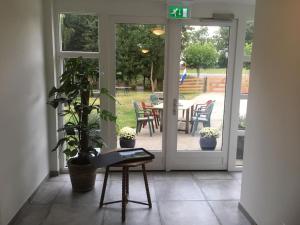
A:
[204,87]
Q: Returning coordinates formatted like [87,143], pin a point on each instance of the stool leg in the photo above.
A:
[104,187]
[147,186]
[124,200]
[127,182]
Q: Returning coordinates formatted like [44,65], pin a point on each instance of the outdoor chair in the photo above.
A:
[202,115]
[143,117]
[203,106]
[154,99]
[155,113]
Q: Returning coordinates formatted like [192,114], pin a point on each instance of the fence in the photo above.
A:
[210,84]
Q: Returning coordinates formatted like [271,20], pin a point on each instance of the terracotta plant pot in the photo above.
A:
[125,143]
[82,176]
[208,143]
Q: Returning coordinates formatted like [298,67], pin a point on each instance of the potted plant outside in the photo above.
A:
[127,137]
[80,132]
[208,138]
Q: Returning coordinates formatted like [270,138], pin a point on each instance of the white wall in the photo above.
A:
[271,180]
[23,134]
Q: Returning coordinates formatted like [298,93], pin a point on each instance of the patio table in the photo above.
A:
[187,105]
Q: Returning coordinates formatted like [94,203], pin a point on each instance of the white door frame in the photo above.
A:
[195,160]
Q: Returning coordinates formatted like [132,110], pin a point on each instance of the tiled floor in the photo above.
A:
[179,198]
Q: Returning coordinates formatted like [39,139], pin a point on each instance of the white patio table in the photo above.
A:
[187,105]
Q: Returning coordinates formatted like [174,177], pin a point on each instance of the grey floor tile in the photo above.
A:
[212,175]
[66,214]
[47,192]
[66,195]
[137,190]
[133,175]
[220,189]
[171,175]
[177,189]
[32,215]
[100,176]
[60,178]
[187,213]
[228,213]
[135,215]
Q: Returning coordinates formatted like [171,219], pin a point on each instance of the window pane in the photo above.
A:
[79,32]
[245,78]
[240,150]
[243,114]
[249,38]
[94,65]
[139,82]
[241,132]
[202,87]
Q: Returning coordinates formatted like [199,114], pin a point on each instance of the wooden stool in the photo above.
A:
[125,185]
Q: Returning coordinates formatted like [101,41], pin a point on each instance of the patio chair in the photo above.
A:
[154,99]
[143,117]
[203,106]
[202,115]
[155,113]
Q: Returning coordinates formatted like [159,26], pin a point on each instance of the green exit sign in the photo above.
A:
[179,12]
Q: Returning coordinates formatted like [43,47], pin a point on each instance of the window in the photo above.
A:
[78,35]
[244,93]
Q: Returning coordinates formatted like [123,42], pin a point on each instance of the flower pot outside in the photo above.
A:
[208,143]
[127,143]
[82,176]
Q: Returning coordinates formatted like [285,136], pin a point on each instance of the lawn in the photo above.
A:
[124,107]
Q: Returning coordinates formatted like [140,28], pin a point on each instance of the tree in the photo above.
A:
[190,35]
[128,54]
[249,32]
[131,62]
[221,42]
[79,32]
[200,56]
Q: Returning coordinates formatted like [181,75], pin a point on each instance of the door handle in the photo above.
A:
[175,106]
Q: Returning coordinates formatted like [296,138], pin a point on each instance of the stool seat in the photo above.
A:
[131,164]
[125,185]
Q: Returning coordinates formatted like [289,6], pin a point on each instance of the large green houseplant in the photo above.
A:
[81,112]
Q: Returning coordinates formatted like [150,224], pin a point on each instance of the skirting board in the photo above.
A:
[246,214]
[12,221]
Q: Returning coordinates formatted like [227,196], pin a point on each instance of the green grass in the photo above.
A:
[124,107]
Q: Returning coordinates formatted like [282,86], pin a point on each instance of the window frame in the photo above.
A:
[59,59]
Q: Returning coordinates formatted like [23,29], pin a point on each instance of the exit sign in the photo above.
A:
[179,12]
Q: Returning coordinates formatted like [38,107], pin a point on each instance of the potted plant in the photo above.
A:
[80,132]
[127,137]
[208,138]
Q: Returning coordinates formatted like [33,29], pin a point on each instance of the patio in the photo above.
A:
[186,141]
[178,198]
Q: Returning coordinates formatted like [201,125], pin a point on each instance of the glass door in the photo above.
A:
[139,84]
[202,81]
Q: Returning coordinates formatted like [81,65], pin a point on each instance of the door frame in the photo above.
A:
[177,160]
